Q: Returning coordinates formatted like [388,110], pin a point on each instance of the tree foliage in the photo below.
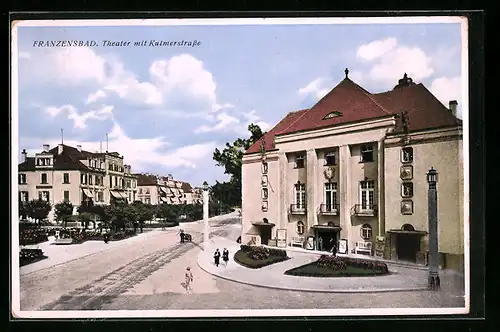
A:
[38,209]
[231,158]
[63,211]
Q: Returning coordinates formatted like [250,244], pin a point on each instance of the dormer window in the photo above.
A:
[330,158]
[332,115]
[300,161]
[366,153]
[43,161]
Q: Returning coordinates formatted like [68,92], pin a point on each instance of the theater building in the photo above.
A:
[351,171]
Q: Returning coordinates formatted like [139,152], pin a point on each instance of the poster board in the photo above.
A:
[342,246]
[380,246]
[310,243]
[281,238]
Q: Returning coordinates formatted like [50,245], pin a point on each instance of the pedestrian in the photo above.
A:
[225,256]
[320,243]
[182,235]
[334,250]
[106,237]
[217,257]
[188,279]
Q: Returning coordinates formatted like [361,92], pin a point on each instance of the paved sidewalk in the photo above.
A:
[272,276]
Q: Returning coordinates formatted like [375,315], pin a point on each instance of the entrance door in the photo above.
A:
[328,239]
[407,246]
[265,235]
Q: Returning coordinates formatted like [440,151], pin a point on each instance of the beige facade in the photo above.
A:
[359,182]
[155,189]
[71,174]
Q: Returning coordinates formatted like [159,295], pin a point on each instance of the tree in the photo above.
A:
[105,213]
[87,210]
[23,212]
[231,158]
[166,212]
[38,209]
[63,211]
[144,212]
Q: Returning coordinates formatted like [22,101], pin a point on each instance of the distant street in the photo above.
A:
[146,275]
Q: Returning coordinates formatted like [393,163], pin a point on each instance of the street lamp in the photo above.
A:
[433,281]
[206,230]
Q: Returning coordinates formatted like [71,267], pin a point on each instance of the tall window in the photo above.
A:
[300,227]
[140,191]
[330,196]
[264,168]
[99,196]
[366,232]
[66,196]
[299,161]
[22,178]
[300,195]
[66,178]
[367,194]
[23,196]
[90,178]
[407,155]
[111,181]
[366,153]
[330,158]
[43,179]
[44,195]
[84,178]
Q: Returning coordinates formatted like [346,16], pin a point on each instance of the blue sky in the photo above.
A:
[167,108]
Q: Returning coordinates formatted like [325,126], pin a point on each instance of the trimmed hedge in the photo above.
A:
[32,236]
[331,266]
[28,256]
[256,257]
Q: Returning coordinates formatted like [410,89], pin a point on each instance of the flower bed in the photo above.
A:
[28,256]
[79,236]
[256,257]
[330,266]
[32,236]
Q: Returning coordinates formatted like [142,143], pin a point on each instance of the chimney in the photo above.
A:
[79,148]
[24,154]
[453,107]
[46,148]
[59,149]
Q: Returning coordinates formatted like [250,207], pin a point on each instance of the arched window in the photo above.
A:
[366,232]
[300,227]
[407,227]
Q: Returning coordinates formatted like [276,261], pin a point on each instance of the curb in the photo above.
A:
[312,290]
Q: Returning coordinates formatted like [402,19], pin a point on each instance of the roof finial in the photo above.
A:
[346,71]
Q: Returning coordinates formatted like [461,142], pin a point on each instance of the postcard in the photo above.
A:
[240,167]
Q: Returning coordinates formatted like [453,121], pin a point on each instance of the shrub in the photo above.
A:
[32,236]
[27,256]
[341,263]
[260,253]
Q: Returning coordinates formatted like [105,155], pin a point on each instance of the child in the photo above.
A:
[188,280]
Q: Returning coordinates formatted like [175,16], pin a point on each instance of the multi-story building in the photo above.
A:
[155,189]
[196,195]
[351,171]
[65,173]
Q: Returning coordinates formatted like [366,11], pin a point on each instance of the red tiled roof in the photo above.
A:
[186,187]
[424,111]
[146,179]
[269,136]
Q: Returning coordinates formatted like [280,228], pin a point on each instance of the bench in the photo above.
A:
[363,247]
[297,241]
[64,241]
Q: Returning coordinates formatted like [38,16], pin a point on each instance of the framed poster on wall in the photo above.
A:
[281,238]
[342,246]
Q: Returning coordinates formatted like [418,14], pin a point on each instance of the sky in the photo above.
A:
[166,108]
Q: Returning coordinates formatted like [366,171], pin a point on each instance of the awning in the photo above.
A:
[124,195]
[171,199]
[115,194]
[327,228]
[88,193]
[163,199]
[164,190]
[263,224]
[399,231]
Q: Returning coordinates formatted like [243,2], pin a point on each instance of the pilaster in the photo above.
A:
[381,187]
[283,191]
[345,192]
[312,165]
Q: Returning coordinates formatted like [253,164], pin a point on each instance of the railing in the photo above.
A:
[329,209]
[297,208]
[364,210]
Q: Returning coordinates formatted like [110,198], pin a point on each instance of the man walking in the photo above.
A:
[182,235]
[217,257]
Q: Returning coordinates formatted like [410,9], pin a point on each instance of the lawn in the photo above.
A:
[328,266]
[257,257]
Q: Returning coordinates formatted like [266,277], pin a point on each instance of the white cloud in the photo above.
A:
[93,97]
[76,65]
[315,88]
[229,123]
[391,61]
[376,49]
[141,153]
[79,120]
[446,89]
[225,122]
